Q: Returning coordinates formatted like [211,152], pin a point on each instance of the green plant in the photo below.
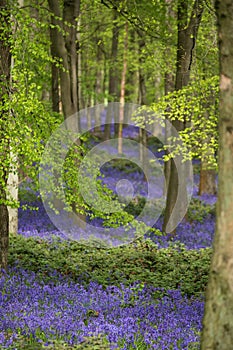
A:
[199,210]
[89,343]
[168,268]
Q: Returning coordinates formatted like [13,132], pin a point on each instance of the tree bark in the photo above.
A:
[207,184]
[63,35]
[54,68]
[12,188]
[55,77]
[187,34]
[218,321]
[64,49]
[5,70]
[13,176]
[71,10]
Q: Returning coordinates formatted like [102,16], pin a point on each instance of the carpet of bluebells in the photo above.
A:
[128,317]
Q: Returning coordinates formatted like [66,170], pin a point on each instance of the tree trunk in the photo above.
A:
[218,321]
[98,87]
[207,184]
[187,34]
[113,76]
[12,188]
[55,77]
[169,86]
[13,176]
[55,91]
[122,97]
[64,48]
[81,102]
[5,70]
[142,101]
[132,89]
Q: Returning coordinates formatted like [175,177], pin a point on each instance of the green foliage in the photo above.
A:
[141,345]
[136,206]
[27,192]
[168,268]
[198,104]
[32,118]
[75,180]
[199,210]
[139,342]
[124,164]
[206,63]
[89,343]
[28,119]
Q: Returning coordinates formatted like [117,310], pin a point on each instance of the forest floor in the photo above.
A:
[149,294]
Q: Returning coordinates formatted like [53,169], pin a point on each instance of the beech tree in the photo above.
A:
[187,35]
[218,318]
[25,118]
[63,35]
[189,15]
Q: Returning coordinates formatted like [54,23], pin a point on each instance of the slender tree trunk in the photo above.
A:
[13,177]
[113,76]
[55,90]
[122,97]
[87,100]
[55,78]
[81,104]
[142,101]
[207,183]
[142,83]
[132,90]
[99,74]
[12,188]
[187,35]
[5,70]
[169,84]
[218,320]
[64,48]
[98,87]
